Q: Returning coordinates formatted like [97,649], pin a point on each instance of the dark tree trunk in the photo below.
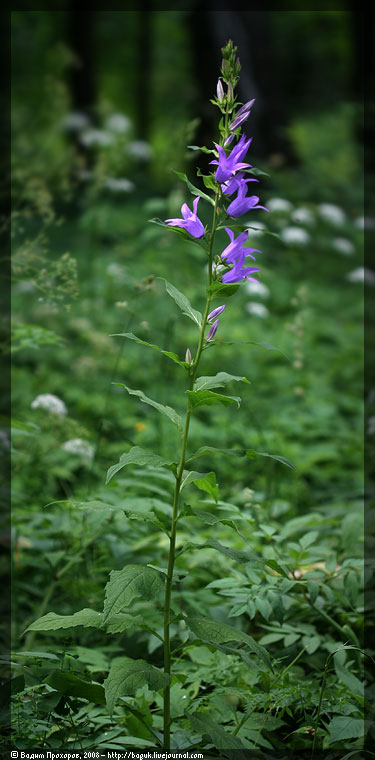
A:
[143,63]
[80,40]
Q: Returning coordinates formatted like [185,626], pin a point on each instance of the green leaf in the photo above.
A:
[212,632]
[344,727]
[213,450]
[139,456]
[183,303]
[222,290]
[167,410]
[202,148]
[68,684]
[208,398]
[252,454]
[126,676]
[52,622]
[236,554]
[217,381]
[132,582]
[208,483]
[170,354]
[190,476]
[194,190]
[313,589]
[122,621]
[201,723]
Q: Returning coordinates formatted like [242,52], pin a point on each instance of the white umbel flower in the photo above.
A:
[295,236]
[96,137]
[257,309]
[50,403]
[140,149]
[279,204]
[362,275]
[118,123]
[79,447]
[119,185]
[255,228]
[343,245]
[332,213]
[257,289]
[303,216]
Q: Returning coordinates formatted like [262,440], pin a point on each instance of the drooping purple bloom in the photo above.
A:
[229,165]
[231,185]
[215,313]
[212,330]
[243,203]
[235,250]
[190,221]
[239,273]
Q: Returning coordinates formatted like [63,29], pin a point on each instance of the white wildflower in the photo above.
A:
[256,289]
[362,275]
[359,222]
[118,123]
[96,137]
[303,216]
[50,403]
[79,447]
[75,121]
[331,213]
[343,245]
[140,149]
[121,185]
[295,236]
[257,309]
[116,270]
[279,204]
[255,228]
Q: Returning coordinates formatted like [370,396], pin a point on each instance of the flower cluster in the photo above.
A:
[50,403]
[229,179]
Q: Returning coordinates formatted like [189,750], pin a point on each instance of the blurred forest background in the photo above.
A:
[104,104]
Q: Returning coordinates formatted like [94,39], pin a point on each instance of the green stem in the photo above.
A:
[179,474]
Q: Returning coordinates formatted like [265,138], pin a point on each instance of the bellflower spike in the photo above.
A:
[212,330]
[229,165]
[215,313]
[243,203]
[190,221]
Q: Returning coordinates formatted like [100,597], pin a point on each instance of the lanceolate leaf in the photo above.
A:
[194,190]
[132,582]
[218,633]
[217,381]
[52,622]
[167,410]
[222,289]
[208,398]
[208,483]
[213,450]
[127,675]
[139,456]
[236,554]
[251,454]
[189,476]
[170,354]
[183,303]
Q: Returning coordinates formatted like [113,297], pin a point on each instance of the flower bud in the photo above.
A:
[188,358]
[212,330]
[228,140]
[230,92]
[246,107]
[219,90]
[239,120]
[215,313]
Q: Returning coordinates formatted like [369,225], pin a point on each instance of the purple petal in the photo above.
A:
[215,313]
[212,330]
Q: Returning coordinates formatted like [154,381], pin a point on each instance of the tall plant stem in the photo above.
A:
[176,497]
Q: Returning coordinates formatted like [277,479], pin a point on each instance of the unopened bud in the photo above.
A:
[212,330]
[228,140]
[230,92]
[188,358]
[220,90]
[215,313]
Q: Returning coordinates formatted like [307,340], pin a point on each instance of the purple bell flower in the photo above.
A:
[190,221]
[239,273]
[235,250]
[231,185]
[229,165]
[242,203]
